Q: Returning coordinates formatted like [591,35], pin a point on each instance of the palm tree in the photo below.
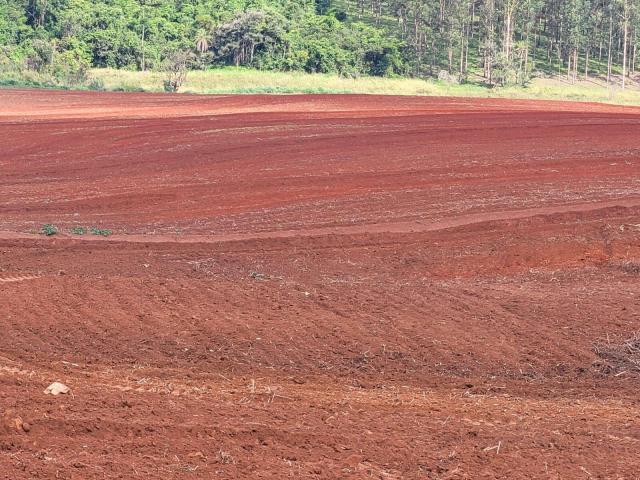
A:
[202,41]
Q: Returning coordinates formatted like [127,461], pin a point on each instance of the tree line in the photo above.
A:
[500,41]
[508,40]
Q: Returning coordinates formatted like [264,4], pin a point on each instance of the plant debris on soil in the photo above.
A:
[619,357]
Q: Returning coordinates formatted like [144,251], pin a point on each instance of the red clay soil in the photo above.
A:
[318,287]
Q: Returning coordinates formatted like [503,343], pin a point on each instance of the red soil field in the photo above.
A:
[318,287]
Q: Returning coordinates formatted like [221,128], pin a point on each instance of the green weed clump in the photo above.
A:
[48,230]
[103,232]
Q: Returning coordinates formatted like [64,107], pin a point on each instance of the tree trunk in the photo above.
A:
[143,64]
[586,63]
[463,33]
[624,47]
[43,12]
[508,28]
[489,46]
[610,46]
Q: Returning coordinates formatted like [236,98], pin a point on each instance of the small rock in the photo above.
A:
[18,424]
[26,427]
[57,388]
[196,455]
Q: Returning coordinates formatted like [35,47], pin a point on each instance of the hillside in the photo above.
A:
[318,287]
[491,43]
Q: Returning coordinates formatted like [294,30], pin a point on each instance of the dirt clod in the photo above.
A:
[57,388]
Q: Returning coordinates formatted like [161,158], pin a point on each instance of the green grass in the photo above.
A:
[247,81]
[24,78]
[27,79]
[243,80]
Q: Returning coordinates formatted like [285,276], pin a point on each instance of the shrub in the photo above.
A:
[48,229]
[175,68]
[70,68]
[100,231]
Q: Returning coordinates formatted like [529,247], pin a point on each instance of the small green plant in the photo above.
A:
[100,231]
[79,230]
[49,230]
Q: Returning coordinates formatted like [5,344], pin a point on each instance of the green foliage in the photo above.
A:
[100,231]
[63,38]
[93,230]
[504,41]
[248,35]
[175,68]
[48,230]
[70,67]
[233,80]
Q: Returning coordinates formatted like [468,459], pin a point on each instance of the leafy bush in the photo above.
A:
[100,231]
[48,230]
[70,68]
[175,68]
[40,55]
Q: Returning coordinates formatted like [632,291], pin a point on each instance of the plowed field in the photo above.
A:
[318,287]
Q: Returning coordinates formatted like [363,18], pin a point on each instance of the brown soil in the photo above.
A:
[317,287]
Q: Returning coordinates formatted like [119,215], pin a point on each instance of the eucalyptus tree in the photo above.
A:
[503,41]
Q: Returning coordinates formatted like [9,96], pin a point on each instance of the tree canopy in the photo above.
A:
[504,41]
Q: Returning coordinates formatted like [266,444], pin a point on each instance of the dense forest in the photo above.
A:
[500,41]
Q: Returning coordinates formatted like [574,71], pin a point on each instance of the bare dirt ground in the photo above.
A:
[318,287]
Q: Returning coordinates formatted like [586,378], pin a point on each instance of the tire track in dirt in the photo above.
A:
[18,278]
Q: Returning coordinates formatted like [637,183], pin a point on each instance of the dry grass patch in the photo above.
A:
[618,357]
